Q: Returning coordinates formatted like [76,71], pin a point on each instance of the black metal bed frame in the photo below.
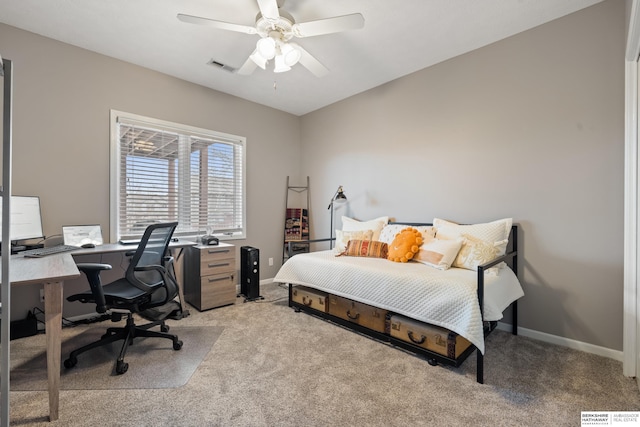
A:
[433,358]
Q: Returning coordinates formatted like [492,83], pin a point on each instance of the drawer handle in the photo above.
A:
[306,301]
[352,317]
[218,265]
[218,279]
[223,251]
[415,341]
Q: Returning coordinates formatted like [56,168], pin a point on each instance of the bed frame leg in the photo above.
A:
[480,367]
[515,318]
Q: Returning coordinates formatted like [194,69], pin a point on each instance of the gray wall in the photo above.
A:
[530,127]
[62,98]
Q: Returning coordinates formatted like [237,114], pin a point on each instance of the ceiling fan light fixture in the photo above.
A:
[276,28]
[291,54]
[266,47]
[280,65]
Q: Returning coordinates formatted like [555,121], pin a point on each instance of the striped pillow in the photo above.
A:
[366,248]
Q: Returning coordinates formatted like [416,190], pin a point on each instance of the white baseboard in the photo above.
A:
[565,342]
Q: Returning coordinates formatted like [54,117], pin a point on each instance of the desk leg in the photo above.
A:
[53,331]
[178,269]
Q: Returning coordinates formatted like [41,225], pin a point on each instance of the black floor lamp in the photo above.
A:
[338,198]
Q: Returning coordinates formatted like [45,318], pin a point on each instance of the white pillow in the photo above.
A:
[375,225]
[389,232]
[475,252]
[438,253]
[495,231]
[343,237]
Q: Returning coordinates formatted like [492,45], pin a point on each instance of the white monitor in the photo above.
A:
[26,220]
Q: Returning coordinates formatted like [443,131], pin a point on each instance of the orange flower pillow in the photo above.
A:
[405,245]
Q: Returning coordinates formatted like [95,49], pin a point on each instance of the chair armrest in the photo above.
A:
[92,266]
[167,281]
[92,271]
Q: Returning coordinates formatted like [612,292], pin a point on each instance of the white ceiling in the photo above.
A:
[398,38]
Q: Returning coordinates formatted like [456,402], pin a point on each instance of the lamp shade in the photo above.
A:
[280,66]
[266,47]
[340,197]
[291,54]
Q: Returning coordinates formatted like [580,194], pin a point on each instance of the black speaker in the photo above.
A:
[250,273]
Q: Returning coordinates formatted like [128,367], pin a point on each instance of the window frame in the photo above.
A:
[115,170]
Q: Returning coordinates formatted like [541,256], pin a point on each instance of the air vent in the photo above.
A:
[220,65]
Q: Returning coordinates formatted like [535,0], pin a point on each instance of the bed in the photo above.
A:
[469,303]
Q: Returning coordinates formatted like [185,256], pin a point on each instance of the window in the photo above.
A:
[162,171]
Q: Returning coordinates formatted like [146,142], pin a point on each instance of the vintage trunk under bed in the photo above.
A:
[449,298]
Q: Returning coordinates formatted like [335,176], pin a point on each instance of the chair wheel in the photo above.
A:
[164,328]
[70,362]
[121,367]
[177,345]
[432,362]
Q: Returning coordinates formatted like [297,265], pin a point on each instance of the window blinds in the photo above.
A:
[171,173]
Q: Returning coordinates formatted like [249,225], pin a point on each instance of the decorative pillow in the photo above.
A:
[389,232]
[343,237]
[405,245]
[475,252]
[494,232]
[376,225]
[366,248]
[438,253]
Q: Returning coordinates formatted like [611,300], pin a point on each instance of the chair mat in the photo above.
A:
[153,363]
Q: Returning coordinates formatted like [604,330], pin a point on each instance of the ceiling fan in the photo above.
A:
[276,28]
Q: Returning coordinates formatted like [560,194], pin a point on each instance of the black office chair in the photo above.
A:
[148,289]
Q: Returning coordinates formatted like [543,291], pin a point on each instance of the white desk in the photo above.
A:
[51,271]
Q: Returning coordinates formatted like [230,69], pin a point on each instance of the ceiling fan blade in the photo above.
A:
[247,68]
[269,9]
[217,24]
[354,21]
[310,62]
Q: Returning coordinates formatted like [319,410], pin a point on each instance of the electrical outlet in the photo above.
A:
[41,295]
[270,262]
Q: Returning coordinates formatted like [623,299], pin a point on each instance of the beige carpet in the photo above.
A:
[274,367]
[152,361]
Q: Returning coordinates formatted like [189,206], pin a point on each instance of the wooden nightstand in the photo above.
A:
[210,276]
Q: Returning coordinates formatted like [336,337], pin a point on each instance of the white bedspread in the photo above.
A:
[444,298]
